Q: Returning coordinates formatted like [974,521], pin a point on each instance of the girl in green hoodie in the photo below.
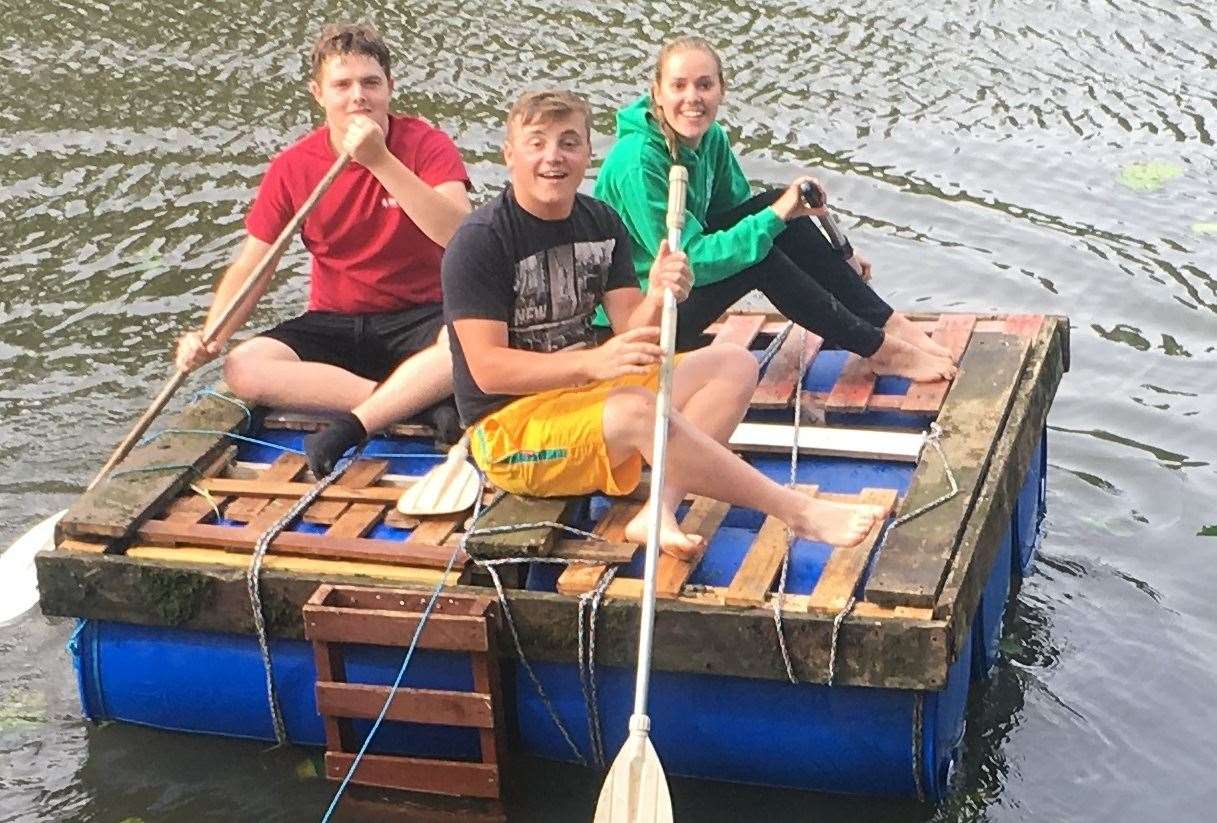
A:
[737,242]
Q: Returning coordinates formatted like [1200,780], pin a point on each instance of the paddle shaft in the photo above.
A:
[814,198]
[256,279]
[677,186]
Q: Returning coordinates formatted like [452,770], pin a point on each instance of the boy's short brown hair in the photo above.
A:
[544,105]
[349,38]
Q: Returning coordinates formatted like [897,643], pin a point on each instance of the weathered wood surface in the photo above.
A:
[915,557]
[760,565]
[1008,467]
[611,526]
[776,387]
[115,507]
[510,510]
[844,568]
[740,329]
[953,332]
[853,389]
[890,652]
[286,468]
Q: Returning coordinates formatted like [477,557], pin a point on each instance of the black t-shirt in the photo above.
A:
[543,278]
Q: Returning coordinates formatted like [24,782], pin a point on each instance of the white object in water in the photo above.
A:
[18,580]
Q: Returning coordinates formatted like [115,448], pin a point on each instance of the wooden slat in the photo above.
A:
[193,555]
[514,510]
[844,568]
[917,554]
[1024,325]
[385,627]
[601,551]
[305,422]
[191,508]
[286,468]
[952,331]
[72,545]
[328,659]
[703,518]
[740,329]
[774,324]
[258,488]
[777,386]
[867,444]
[269,515]
[755,575]
[377,598]
[417,774]
[358,475]
[357,520]
[854,387]
[431,706]
[582,578]
[309,545]
[434,530]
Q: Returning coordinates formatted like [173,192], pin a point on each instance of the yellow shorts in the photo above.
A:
[552,444]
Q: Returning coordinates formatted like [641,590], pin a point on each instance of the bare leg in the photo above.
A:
[910,332]
[902,359]
[420,382]
[268,372]
[699,464]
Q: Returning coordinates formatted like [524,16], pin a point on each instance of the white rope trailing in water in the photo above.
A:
[253,584]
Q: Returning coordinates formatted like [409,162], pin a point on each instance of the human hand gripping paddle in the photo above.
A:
[636,789]
[813,198]
[18,582]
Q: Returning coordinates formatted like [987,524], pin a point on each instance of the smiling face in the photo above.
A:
[689,89]
[350,84]
[547,159]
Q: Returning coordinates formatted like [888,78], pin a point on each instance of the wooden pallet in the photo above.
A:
[751,584]
[854,391]
[336,616]
[350,509]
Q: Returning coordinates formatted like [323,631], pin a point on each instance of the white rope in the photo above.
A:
[779,600]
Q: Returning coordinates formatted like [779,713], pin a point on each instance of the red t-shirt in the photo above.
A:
[368,256]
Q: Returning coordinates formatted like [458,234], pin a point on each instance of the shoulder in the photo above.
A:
[484,225]
[631,151]
[603,216]
[415,131]
[717,138]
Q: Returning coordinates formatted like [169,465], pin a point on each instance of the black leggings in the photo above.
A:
[803,276]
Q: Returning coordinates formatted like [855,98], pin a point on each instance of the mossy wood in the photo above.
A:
[916,554]
[138,486]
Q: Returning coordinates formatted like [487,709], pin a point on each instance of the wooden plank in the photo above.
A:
[755,575]
[1017,448]
[196,555]
[702,639]
[703,518]
[119,503]
[430,706]
[191,508]
[740,329]
[952,331]
[917,554]
[843,571]
[600,551]
[287,467]
[774,323]
[308,545]
[1023,325]
[434,530]
[417,774]
[584,578]
[304,422]
[72,545]
[357,520]
[258,488]
[330,664]
[867,444]
[387,627]
[360,474]
[515,510]
[853,389]
[777,386]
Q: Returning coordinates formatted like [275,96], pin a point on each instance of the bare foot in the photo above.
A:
[837,524]
[902,359]
[910,332]
[672,540]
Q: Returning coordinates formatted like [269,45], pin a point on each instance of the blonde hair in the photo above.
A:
[688,41]
[546,105]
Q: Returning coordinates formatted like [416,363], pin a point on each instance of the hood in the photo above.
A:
[636,118]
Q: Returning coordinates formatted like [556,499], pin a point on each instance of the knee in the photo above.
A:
[629,416]
[240,373]
[736,366]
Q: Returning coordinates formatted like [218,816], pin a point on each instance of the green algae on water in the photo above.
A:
[1149,176]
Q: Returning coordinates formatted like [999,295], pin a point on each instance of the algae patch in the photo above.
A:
[22,709]
[1149,176]
[175,596]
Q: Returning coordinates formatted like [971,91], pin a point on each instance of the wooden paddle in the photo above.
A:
[636,789]
[258,277]
[452,486]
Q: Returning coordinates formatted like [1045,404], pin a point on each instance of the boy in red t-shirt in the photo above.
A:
[369,345]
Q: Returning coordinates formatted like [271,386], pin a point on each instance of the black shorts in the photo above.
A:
[369,345]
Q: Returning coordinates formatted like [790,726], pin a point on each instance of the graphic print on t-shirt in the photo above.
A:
[556,294]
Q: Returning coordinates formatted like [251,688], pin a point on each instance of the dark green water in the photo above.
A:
[1012,156]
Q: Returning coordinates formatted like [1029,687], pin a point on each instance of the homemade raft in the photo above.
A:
[847,670]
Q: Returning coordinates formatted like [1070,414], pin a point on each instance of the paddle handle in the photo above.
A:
[678,182]
[813,197]
[257,278]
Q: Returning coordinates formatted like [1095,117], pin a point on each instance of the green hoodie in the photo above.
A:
[634,181]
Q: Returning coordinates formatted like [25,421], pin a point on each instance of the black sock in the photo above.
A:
[326,446]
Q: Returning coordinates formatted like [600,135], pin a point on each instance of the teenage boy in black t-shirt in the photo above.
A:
[553,414]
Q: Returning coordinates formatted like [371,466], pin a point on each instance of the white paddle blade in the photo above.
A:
[452,486]
[18,578]
[636,789]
